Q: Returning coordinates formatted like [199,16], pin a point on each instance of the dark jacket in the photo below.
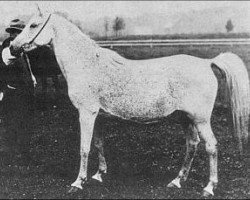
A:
[16,75]
[17,105]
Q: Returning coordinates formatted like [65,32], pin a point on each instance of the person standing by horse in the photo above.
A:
[17,105]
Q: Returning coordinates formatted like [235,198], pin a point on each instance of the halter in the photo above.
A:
[27,58]
[40,29]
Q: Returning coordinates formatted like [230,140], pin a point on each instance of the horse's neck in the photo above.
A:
[72,48]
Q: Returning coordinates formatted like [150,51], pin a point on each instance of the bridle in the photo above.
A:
[25,55]
[40,30]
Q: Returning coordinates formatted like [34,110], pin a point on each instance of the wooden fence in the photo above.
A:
[173,42]
[180,42]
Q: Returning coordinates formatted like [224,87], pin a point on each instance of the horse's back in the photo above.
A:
[180,68]
[182,62]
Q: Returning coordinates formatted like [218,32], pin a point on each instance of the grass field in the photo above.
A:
[142,159]
[203,51]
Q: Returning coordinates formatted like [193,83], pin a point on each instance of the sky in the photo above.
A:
[84,10]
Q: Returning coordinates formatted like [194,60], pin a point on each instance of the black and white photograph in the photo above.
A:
[124,99]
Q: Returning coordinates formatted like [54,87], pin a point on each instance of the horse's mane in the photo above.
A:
[68,18]
[112,56]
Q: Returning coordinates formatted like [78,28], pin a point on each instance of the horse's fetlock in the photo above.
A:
[215,184]
[213,181]
[83,153]
[194,142]
[212,148]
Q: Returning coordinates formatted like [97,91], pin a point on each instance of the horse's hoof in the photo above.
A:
[171,185]
[174,184]
[73,189]
[97,178]
[206,194]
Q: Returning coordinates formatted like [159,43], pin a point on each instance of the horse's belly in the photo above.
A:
[139,107]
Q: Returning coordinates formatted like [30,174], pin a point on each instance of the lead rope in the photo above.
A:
[29,66]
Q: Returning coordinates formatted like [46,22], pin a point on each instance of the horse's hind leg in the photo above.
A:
[102,169]
[192,141]
[98,142]
[205,132]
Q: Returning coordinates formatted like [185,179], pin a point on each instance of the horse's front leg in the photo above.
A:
[87,120]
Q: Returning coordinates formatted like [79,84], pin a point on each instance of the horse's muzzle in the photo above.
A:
[15,51]
[28,47]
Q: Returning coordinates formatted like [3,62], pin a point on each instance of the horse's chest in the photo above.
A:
[81,92]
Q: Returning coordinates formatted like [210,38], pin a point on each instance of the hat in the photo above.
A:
[15,25]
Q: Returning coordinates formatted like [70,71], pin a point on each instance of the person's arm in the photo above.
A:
[7,58]
[3,82]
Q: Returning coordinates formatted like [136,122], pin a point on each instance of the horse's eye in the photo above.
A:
[33,25]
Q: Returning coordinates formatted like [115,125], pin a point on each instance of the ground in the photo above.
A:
[141,159]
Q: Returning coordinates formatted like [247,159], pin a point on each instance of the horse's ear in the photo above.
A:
[39,10]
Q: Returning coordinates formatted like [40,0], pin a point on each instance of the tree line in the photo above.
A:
[119,25]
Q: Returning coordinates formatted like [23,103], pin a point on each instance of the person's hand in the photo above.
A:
[7,57]
[1,97]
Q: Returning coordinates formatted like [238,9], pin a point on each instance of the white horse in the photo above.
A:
[142,90]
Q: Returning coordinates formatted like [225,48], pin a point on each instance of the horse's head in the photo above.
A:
[37,32]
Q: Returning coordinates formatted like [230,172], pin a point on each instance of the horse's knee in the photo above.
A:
[207,135]
[193,138]
[84,153]
[98,143]
[194,141]
[211,147]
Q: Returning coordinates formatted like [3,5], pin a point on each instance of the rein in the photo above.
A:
[27,58]
[29,66]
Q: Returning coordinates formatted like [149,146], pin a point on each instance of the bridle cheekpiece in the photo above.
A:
[40,30]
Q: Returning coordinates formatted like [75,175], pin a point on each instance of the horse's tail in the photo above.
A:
[239,91]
